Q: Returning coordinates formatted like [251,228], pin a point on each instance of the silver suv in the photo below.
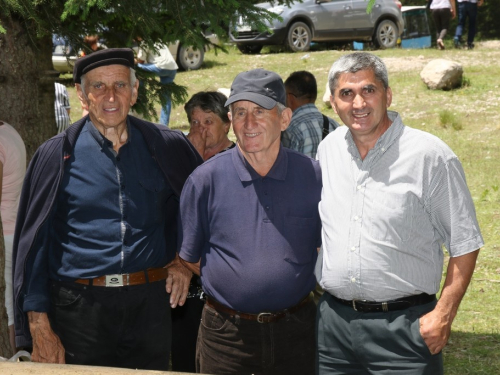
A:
[323,21]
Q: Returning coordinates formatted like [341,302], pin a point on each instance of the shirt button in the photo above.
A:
[353,248]
[353,280]
[117,158]
[383,149]
[267,207]
[356,218]
[359,187]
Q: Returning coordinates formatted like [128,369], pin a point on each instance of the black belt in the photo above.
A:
[393,305]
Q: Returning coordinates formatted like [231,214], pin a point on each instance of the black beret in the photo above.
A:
[110,56]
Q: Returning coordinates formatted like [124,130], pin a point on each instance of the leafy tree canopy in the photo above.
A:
[118,23]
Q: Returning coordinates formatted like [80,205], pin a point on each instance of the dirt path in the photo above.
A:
[398,64]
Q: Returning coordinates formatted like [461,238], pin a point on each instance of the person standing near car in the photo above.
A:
[160,62]
[466,9]
[442,11]
[392,198]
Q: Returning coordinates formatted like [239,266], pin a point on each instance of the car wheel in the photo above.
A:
[386,35]
[190,58]
[249,49]
[299,37]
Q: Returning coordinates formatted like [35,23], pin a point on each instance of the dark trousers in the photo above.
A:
[231,345]
[388,343]
[466,9]
[442,20]
[127,327]
[185,324]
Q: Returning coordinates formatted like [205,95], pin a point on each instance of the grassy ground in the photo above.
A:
[467,119]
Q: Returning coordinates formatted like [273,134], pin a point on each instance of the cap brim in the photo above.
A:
[264,101]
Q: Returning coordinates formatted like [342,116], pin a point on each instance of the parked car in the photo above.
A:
[322,21]
[187,58]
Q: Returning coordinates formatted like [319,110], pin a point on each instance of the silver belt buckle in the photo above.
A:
[262,315]
[114,280]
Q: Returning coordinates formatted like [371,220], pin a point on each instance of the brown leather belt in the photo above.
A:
[136,278]
[263,317]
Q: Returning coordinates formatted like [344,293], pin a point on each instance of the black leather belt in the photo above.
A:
[393,305]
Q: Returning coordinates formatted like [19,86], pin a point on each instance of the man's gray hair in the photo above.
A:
[355,62]
[132,81]
[280,107]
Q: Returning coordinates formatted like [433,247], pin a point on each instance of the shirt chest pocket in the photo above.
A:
[391,217]
[153,196]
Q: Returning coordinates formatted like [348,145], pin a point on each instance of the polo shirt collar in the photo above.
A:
[246,172]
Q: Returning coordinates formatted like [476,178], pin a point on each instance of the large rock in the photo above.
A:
[441,74]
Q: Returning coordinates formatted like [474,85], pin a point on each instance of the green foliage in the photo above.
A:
[119,23]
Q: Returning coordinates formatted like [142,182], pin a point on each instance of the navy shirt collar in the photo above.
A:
[101,140]
[247,173]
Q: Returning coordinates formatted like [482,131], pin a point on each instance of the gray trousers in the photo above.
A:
[351,342]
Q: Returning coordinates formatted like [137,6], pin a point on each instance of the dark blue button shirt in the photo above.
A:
[257,237]
[110,211]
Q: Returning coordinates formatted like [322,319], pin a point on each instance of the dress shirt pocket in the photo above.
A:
[391,217]
[155,189]
[302,234]
[156,185]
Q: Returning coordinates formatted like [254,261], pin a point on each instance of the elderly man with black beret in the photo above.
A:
[96,269]
[250,221]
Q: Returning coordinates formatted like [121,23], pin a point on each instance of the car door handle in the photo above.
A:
[347,7]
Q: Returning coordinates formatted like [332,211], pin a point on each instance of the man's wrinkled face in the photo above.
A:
[108,95]
[257,129]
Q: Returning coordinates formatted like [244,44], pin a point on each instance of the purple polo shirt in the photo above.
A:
[257,237]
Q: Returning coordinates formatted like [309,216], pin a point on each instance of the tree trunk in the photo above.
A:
[5,349]
[27,84]
[27,103]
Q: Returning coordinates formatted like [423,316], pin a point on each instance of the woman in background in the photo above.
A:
[442,11]
[209,123]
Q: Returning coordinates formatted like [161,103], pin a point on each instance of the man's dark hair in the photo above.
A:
[212,101]
[302,84]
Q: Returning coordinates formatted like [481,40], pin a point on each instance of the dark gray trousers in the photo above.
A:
[389,343]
